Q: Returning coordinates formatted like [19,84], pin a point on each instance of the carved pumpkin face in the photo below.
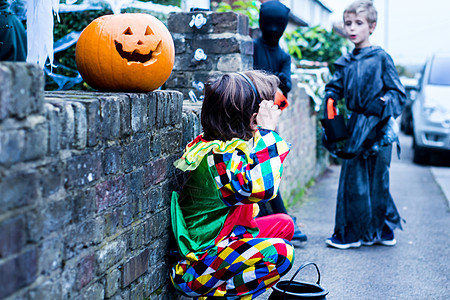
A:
[125,52]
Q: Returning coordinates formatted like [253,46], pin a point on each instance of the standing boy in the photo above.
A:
[368,80]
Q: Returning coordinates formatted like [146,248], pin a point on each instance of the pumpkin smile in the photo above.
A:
[136,57]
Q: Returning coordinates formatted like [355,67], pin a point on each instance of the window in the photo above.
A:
[440,71]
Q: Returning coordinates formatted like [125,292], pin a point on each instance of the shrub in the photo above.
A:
[316,44]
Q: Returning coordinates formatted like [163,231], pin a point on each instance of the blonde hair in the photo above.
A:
[363,6]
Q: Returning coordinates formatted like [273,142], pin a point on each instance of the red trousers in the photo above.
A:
[276,226]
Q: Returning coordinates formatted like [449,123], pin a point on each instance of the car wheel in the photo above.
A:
[408,127]
[420,155]
[403,124]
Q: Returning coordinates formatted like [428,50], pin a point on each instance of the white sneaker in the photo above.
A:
[338,243]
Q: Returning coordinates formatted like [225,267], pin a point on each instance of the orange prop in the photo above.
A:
[280,100]
[331,110]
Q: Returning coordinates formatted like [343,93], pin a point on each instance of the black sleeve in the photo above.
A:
[395,96]
[335,88]
[285,75]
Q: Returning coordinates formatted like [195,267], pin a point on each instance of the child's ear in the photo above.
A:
[372,27]
[253,124]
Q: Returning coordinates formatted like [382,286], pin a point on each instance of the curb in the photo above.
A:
[442,177]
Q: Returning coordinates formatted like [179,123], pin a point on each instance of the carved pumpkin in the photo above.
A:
[125,52]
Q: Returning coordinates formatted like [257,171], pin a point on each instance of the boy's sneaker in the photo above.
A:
[336,242]
[387,238]
[368,243]
[298,234]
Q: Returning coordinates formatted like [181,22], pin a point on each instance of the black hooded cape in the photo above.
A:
[364,203]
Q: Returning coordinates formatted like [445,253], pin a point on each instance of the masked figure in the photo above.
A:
[268,56]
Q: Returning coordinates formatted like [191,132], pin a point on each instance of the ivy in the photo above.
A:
[316,44]
[249,8]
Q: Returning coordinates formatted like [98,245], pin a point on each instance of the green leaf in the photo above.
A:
[240,3]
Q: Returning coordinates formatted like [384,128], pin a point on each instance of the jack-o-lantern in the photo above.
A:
[125,52]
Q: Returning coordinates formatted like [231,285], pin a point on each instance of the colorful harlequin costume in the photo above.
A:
[226,251]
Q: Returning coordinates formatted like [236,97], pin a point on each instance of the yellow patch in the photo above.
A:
[258,185]
[271,280]
[179,270]
[282,147]
[225,253]
[191,256]
[204,279]
[218,293]
[263,245]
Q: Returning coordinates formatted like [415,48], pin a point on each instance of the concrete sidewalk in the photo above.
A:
[418,267]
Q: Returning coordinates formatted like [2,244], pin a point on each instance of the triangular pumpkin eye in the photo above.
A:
[148,31]
[128,31]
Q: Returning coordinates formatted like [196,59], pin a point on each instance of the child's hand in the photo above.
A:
[268,115]
[255,210]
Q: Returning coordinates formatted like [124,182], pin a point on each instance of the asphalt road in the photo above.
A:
[418,267]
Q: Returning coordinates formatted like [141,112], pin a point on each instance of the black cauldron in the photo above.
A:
[287,290]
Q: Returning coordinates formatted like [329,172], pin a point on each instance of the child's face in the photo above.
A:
[358,29]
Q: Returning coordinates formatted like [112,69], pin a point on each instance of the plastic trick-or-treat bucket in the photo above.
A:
[287,290]
[335,129]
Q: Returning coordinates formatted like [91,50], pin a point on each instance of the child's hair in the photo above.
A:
[363,6]
[230,103]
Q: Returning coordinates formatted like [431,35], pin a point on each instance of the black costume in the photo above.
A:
[268,56]
[364,203]
[13,38]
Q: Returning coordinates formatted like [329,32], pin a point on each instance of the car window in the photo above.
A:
[439,73]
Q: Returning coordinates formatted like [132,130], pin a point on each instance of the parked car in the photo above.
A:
[411,86]
[431,109]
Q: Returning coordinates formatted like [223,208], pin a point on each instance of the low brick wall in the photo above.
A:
[298,126]
[85,184]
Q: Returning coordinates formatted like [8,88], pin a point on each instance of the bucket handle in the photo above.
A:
[301,267]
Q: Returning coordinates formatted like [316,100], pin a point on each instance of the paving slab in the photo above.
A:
[418,267]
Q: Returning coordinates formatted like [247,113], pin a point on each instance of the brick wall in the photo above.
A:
[85,183]
[223,38]
[298,126]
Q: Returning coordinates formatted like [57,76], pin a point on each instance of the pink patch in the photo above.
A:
[221,168]
[240,178]
[263,155]
[283,156]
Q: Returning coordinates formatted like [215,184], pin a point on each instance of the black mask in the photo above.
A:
[273,19]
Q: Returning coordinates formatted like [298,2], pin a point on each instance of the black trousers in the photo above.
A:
[274,206]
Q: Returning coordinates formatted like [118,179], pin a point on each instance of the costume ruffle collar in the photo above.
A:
[196,150]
